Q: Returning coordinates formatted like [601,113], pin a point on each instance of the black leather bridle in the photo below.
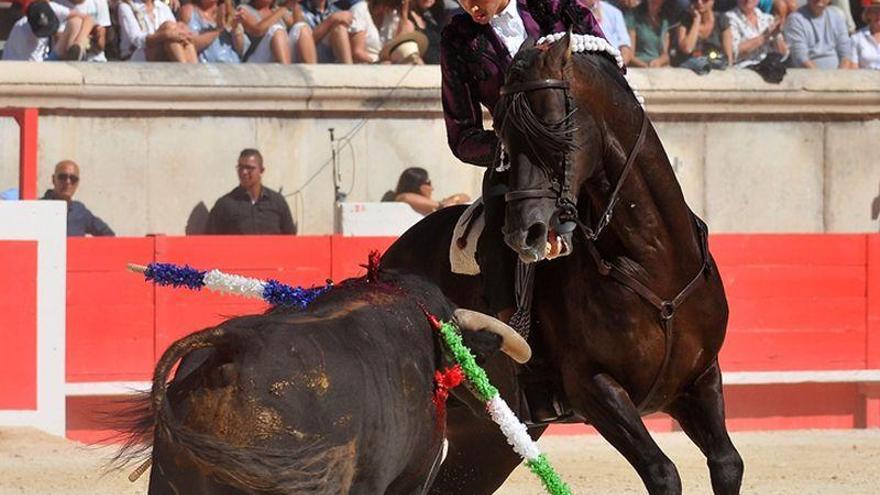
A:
[566,215]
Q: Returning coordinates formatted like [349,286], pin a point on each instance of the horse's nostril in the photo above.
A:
[536,235]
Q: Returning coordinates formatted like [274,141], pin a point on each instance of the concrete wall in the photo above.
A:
[158,143]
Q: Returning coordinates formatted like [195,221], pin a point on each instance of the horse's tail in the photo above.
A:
[316,468]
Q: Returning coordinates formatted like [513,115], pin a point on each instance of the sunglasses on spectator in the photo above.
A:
[67,177]
[426,183]
[246,168]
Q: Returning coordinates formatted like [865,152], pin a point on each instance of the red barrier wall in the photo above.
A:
[18,340]
[798,302]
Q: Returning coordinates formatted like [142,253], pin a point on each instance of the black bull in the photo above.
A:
[333,399]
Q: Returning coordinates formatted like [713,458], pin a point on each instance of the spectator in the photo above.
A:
[80,221]
[427,17]
[366,40]
[649,32]
[217,32]
[99,12]
[10,194]
[395,41]
[866,42]
[613,26]
[251,208]
[280,35]
[817,37]
[699,39]
[330,22]
[149,32]
[754,34]
[415,189]
[31,38]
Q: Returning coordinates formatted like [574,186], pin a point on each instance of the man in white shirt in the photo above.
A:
[99,11]
[613,26]
[31,37]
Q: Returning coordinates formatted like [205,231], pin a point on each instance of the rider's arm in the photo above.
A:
[468,140]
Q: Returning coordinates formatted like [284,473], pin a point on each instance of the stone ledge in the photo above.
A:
[414,91]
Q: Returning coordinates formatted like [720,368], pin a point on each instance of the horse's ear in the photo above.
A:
[560,52]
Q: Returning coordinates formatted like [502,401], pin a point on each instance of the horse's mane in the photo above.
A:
[548,139]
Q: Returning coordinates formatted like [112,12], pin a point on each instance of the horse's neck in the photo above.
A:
[652,225]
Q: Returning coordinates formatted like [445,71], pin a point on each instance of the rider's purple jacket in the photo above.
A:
[473,60]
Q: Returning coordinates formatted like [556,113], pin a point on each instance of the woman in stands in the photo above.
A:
[279,35]
[149,32]
[219,36]
[415,189]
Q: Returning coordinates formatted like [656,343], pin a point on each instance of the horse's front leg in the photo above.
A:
[700,411]
[608,408]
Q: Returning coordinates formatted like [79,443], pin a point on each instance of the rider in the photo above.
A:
[475,51]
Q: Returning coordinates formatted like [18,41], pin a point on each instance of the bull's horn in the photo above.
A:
[512,343]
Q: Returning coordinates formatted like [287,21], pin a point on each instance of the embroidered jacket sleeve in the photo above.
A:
[469,141]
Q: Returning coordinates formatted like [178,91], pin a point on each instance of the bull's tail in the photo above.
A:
[137,416]
[317,468]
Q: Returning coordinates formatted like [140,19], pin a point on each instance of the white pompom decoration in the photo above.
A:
[514,431]
[234,284]
[587,43]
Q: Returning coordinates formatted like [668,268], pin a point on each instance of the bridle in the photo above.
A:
[566,216]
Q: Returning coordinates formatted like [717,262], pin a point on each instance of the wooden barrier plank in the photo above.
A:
[790,281]
[793,350]
[294,260]
[18,305]
[109,310]
[788,249]
[872,349]
[779,314]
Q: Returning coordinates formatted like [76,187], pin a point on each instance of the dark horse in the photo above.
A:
[631,320]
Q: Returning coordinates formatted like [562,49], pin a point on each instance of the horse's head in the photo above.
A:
[534,120]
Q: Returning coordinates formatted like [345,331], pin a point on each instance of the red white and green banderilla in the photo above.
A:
[514,430]
[277,293]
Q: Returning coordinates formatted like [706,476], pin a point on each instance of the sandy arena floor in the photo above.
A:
[801,462]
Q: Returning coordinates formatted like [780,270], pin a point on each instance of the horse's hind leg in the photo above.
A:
[609,409]
[700,411]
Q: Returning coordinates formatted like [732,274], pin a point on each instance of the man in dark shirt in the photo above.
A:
[251,208]
[80,221]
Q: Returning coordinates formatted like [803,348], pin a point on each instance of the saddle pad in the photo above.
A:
[463,249]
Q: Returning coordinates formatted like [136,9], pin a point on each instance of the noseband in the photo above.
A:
[560,189]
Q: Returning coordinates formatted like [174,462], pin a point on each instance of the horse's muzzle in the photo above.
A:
[538,242]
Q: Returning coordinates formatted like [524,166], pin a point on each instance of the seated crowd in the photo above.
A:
[700,35]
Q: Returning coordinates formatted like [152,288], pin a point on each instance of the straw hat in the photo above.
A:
[404,48]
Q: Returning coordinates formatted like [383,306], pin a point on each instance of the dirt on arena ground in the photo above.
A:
[780,463]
